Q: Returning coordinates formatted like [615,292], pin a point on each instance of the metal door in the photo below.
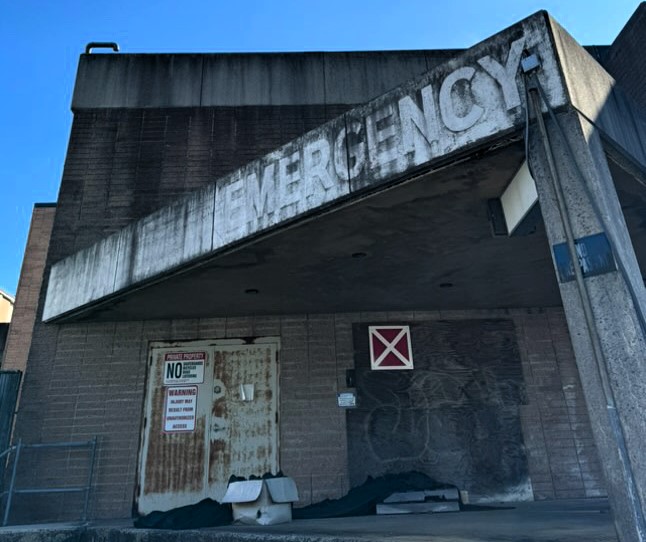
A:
[199,429]
[172,466]
[244,424]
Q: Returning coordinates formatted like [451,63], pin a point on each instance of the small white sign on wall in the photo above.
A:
[180,409]
[346,399]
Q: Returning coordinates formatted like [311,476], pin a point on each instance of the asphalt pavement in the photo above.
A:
[587,520]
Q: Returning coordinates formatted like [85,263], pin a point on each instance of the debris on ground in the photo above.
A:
[362,500]
[404,493]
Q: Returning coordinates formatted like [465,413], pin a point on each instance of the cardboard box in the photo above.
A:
[262,502]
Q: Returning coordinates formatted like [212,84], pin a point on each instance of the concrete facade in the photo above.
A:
[170,195]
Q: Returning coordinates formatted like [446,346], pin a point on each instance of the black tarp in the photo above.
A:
[359,501]
[362,500]
[206,513]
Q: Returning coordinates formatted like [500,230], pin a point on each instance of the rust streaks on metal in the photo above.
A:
[250,436]
[174,461]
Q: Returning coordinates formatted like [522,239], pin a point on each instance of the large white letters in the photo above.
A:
[383,134]
[230,210]
[289,185]
[419,127]
[261,193]
[506,77]
[316,160]
[450,118]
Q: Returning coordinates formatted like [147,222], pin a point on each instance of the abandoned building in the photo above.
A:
[349,264]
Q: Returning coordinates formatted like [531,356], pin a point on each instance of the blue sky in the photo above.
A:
[40,42]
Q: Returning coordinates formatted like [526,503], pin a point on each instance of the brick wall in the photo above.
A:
[94,380]
[31,277]
[625,60]
[563,460]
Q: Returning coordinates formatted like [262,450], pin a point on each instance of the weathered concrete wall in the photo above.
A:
[94,380]
[605,313]
[607,335]
[594,93]
[206,80]
[453,108]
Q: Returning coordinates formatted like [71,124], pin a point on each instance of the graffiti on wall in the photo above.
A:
[454,417]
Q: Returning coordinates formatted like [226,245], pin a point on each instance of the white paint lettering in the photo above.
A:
[356,147]
[506,76]
[260,194]
[451,119]
[349,151]
[382,137]
[419,126]
[230,210]
[316,159]
[289,185]
[341,155]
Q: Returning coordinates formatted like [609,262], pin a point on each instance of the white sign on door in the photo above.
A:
[180,409]
[184,368]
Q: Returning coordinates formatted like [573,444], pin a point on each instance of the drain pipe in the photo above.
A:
[530,66]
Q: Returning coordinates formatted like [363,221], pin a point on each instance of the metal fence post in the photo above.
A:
[89,479]
[12,483]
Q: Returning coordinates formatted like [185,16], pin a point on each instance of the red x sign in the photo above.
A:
[390,348]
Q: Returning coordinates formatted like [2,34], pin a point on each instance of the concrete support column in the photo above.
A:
[609,343]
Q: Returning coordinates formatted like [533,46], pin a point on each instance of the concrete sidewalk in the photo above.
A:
[555,521]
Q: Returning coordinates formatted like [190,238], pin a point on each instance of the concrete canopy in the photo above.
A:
[402,249]
[402,180]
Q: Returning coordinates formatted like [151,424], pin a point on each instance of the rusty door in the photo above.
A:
[244,422]
[211,410]
[175,434]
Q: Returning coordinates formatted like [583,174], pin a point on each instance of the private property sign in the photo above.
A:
[184,368]
[459,105]
[390,348]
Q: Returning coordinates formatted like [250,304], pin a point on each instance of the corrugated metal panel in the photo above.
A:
[9,386]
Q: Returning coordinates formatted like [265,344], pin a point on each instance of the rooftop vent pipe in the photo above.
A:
[101,45]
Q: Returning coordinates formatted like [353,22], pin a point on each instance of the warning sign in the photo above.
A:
[180,410]
[184,368]
[390,348]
